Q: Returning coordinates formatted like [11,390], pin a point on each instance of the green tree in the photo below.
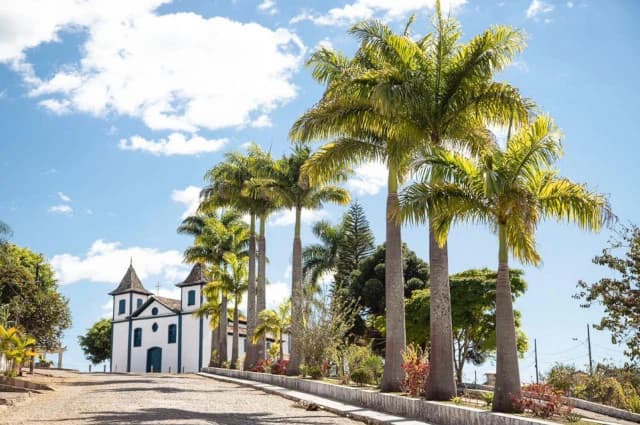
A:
[356,243]
[16,347]
[276,323]
[96,344]
[295,191]
[511,191]
[28,287]
[321,258]
[619,294]
[473,302]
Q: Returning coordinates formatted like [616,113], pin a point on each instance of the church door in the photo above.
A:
[154,359]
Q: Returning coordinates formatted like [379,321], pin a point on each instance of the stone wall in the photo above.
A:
[429,411]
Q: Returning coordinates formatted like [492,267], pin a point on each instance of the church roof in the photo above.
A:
[172,304]
[130,283]
[196,276]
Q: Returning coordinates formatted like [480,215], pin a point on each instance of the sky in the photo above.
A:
[112,111]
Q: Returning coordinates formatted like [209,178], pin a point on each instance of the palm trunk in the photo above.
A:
[236,334]
[507,369]
[215,347]
[394,294]
[441,384]
[261,296]
[281,344]
[295,357]
[224,322]
[250,355]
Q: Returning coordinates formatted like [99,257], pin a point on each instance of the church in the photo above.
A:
[158,334]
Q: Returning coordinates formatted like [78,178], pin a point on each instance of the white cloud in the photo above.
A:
[519,65]
[276,293]
[366,9]
[570,4]
[106,262]
[61,209]
[537,8]
[369,178]
[268,6]
[175,71]
[190,197]
[324,43]
[63,197]
[262,121]
[174,144]
[288,217]
[500,133]
[287,272]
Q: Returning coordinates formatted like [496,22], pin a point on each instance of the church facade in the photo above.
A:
[158,334]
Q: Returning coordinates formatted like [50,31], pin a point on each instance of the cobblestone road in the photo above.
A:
[171,399]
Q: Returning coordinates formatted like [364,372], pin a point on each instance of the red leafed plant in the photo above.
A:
[416,370]
[262,366]
[280,368]
[541,400]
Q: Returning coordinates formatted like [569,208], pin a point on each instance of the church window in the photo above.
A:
[122,305]
[154,327]
[137,337]
[172,334]
[154,311]
[139,303]
[191,297]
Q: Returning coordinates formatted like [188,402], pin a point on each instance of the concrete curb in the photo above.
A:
[345,410]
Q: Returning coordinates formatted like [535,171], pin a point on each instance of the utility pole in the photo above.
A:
[535,351]
[589,343]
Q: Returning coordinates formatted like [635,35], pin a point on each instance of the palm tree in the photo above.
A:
[395,97]
[214,236]
[16,348]
[230,185]
[293,189]
[510,190]
[321,258]
[276,323]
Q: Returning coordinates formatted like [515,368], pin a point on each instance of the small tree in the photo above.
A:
[96,344]
[275,322]
[16,347]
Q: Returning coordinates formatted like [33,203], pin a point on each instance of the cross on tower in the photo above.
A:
[158,288]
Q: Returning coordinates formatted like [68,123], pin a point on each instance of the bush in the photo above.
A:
[262,366]
[488,398]
[315,372]
[280,368]
[416,370]
[562,378]
[361,376]
[543,401]
[375,366]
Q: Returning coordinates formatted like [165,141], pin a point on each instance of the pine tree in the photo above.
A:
[356,244]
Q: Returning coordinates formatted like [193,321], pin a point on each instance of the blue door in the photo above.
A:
[154,359]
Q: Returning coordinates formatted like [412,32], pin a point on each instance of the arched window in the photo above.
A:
[154,311]
[122,307]
[137,337]
[172,334]
[138,302]
[191,297]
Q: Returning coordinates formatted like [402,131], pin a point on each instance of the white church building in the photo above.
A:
[157,334]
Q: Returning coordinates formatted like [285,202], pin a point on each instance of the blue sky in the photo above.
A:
[112,111]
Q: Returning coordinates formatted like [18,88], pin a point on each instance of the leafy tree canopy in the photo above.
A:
[96,344]
[28,287]
[619,295]
[473,303]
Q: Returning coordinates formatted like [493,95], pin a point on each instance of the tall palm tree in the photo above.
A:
[321,258]
[397,96]
[276,323]
[230,185]
[293,190]
[510,190]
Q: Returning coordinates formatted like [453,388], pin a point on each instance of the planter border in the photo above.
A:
[429,411]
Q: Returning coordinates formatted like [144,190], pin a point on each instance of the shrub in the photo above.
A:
[375,366]
[262,366]
[280,368]
[456,400]
[416,370]
[543,401]
[488,398]
[562,377]
[315,372]
[361,376]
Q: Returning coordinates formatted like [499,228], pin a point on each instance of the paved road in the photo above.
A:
[158,399]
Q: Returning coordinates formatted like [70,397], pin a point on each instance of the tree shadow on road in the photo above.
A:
[179,416]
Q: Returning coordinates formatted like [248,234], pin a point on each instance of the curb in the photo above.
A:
[349,411]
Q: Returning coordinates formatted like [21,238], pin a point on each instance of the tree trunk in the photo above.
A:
[215,347]
[507,369]
[236,334]
[250,354]
[224,322]
[394,294]
[281,344]
[295,357]
[441,384]
[261,296]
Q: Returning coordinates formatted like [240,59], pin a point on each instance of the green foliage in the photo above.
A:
[473,303]
[96,344]
[28,287]
[487,397]
[563,377]
[275,323]
[618,295]
[361,376]
[17,348]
